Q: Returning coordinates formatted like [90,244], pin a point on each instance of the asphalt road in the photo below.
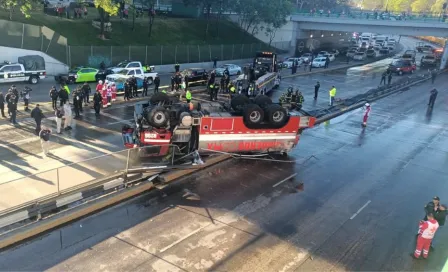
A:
[353,205]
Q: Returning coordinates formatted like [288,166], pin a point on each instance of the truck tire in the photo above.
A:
[239,102]
[150,80]
[159,97]
[158,117]
[276,115]
[263,101]
[34,79]
[253,114]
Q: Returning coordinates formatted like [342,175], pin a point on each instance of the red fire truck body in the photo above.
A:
[210,131]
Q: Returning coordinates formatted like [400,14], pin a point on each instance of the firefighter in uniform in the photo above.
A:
[188,96]
[300,100]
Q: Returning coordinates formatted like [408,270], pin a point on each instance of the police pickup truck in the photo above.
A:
[129,72]
[15,72]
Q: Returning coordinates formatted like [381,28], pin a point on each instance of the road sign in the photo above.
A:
[301,46]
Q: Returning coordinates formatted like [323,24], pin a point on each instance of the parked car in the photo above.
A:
[362,50]
[334,52]
[102,74]
[330,56]
[195,75]
[290,61]
[360,56]
[79,75]
[402,66]
[306,57]
[422,47]
[384,50]
[428,60]
[318,62]
[371,53]
[392,41]
[233,70]
[351,53]
[322,53]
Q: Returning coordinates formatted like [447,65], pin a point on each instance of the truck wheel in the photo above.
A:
[150,81]
[34,79]
[263,101]
[159,97]
[158,117]
[276,115]
[253,114]
[239,102]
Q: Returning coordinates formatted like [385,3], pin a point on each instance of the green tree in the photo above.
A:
[106,8]
[422,5]
[399,5]
[25,6]
[274,15]
[204,5]
[438,7]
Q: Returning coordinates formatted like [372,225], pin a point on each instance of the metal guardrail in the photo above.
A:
[33,189]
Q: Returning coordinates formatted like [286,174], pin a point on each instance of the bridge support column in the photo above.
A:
[297,34]
[444,60]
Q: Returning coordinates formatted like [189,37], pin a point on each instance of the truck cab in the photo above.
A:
[15,72]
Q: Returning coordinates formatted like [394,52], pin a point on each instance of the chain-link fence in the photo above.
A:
[46,40]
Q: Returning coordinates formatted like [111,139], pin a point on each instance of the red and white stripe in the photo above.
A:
[246,137]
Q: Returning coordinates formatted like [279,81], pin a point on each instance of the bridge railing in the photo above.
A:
[370,15]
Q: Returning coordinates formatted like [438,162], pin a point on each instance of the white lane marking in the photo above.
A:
[182,239]
[362,208]
[280,182]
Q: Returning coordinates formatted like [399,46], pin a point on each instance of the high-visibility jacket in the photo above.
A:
[232,89]
[67,89]
[333,92]
[188,95]
[212,86]
[163,91]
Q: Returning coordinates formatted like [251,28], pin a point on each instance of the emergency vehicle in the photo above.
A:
[265,75]
[242,126]
[16,72]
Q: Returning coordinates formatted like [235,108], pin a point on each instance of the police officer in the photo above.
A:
[12,108]
[97,99]
[86,92]
[226,72]
[77,100]
[316,90]
[432,98]
[173,82]
[54,97]
[37,115]
[177,67]
[134,86]
[178,81]
[433,75]
[383,78]
[63,96]
[156,84]
[188,96]
[186,79]
[211,90]
[145,87]
[2,105]
[26,97]
[127,91]
[389,78]
[8,100]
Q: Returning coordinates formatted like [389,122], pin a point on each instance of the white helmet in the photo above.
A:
[100,82]
[107,81]
[367,105]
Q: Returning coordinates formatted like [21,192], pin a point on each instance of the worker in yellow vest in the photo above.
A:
[232,90]
[188,96]
[163,91]
[332,95]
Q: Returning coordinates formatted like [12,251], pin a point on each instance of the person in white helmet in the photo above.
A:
[366,114]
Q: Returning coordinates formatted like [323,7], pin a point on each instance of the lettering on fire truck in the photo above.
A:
[243,146]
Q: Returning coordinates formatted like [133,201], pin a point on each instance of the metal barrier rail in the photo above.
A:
[420,17]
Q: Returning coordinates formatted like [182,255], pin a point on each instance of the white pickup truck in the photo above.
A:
[129,65]
[129,72]
[16,72]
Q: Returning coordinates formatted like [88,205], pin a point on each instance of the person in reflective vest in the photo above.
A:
[211,87]
[188,96]
[212,91]
[163,91]
[332,93]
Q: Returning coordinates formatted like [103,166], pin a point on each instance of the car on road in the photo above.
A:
[391,47]
[318,62]
[195,75]
[351,53]
[322,53]
[392,41]
[402,66]
[377,47]
[330,56]
[409,55]
[133,72]
[81,75]
[360,56]
[233,70]
[334,52]
[102,74]
[371,53]
[384,50]
[306,57]
[428,60]
[422,47]
[362,50]
[290,61]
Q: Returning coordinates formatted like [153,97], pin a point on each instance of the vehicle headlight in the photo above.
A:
[76,76]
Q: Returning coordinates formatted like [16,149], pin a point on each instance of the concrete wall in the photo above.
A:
[52,65]
[283,36]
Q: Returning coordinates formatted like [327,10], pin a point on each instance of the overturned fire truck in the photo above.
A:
[242,126]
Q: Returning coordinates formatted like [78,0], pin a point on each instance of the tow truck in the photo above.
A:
[263,74]
[165,126]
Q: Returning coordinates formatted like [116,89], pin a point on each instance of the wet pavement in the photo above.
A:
[21,153]
[352,203]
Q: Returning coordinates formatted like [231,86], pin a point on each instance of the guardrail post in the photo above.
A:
[57,179]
